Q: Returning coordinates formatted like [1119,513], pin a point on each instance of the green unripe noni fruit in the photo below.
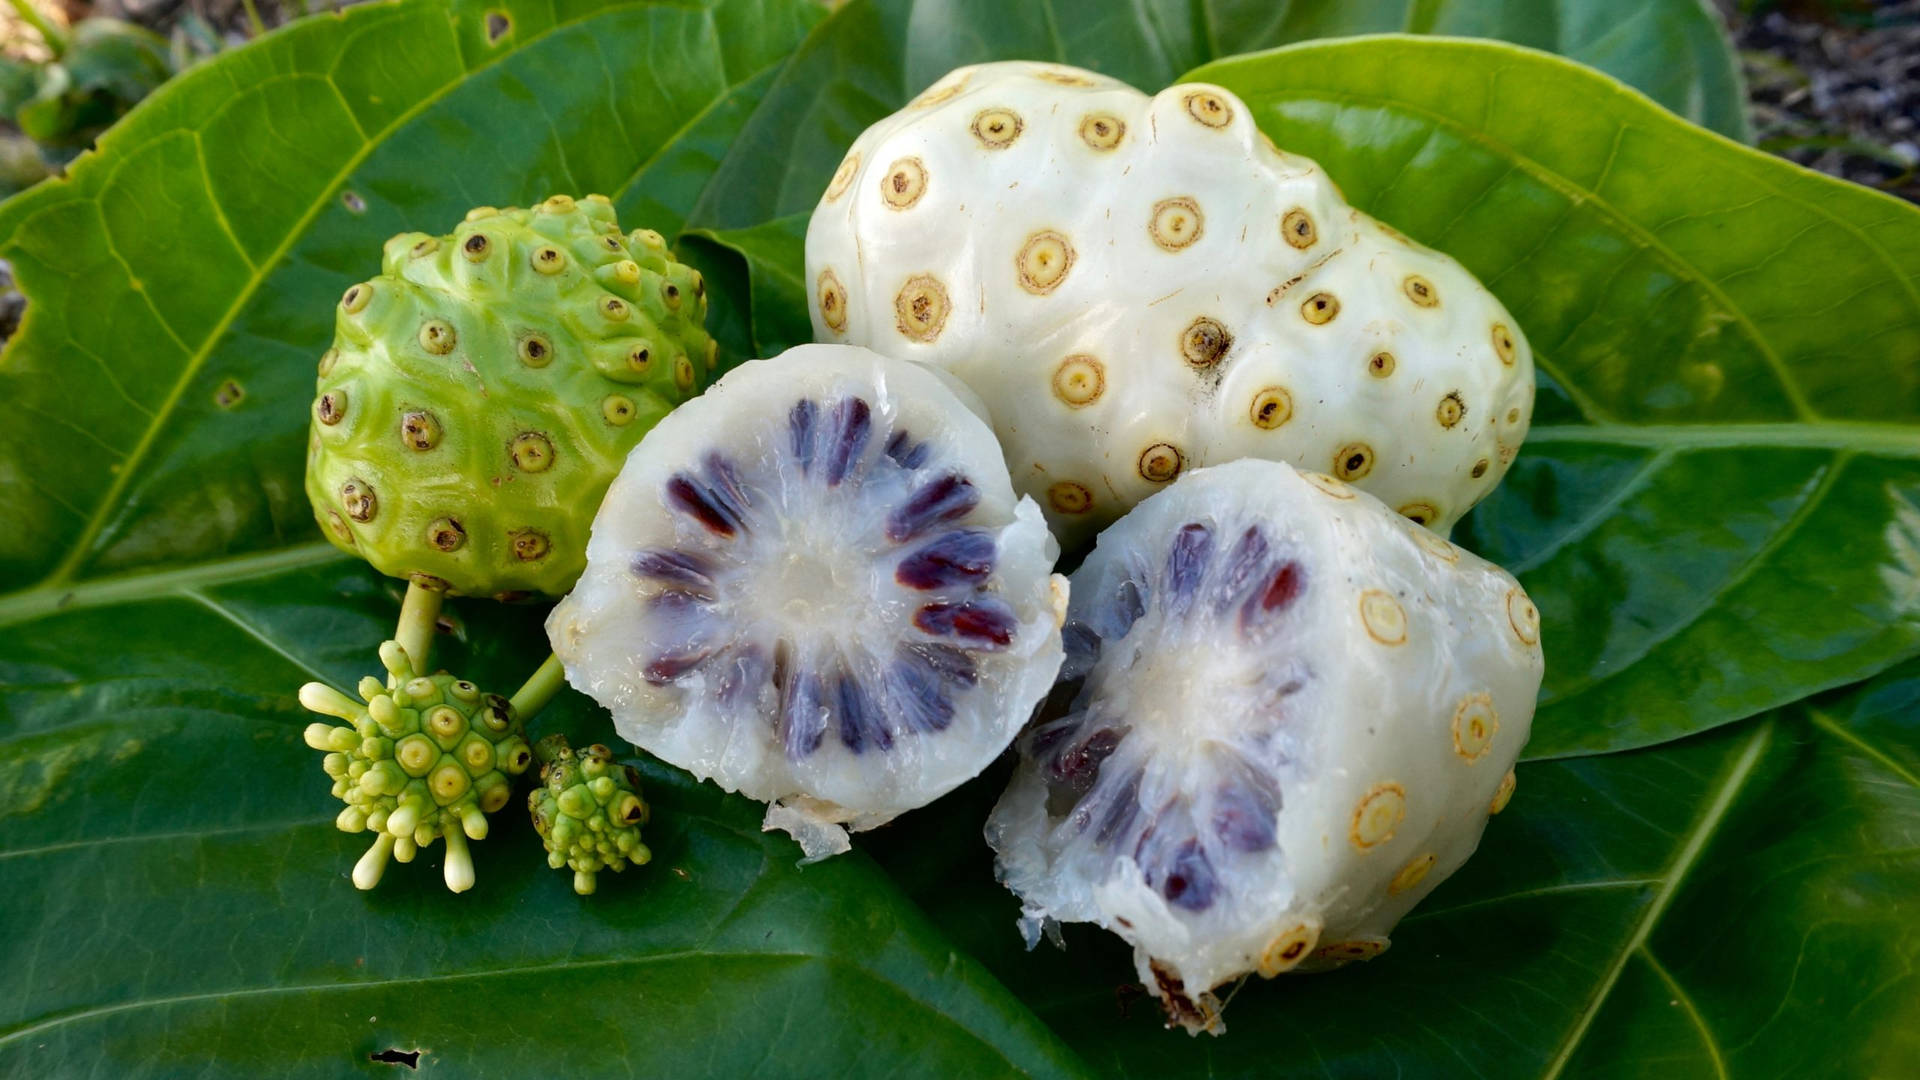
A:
[481,393]
[588,810]
[426,758]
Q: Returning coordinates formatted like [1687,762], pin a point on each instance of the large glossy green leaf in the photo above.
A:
[1736,904]
[1716,510]
[176,900]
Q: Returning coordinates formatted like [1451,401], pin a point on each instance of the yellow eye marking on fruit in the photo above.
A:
[357,498]
[1297,226]
[1411,874]
[1327,484]
[1320,308]
[437,337]
[615,309]
[327,360]
[1451,410]
[1079,380]
[1102,131]
[997,128]
[1209,108]
[938,93]
[1288,948]
[1475,722]
[1353,461]
[531,452]
[833,300]
[1272,407]
[683,372]
[617,409]
[1480,468]
[331,407]
[640,357]
[446,534]
[843,176]
[419,430]
[670,295]
[557,204]
[1435,546]
[529,545]
[424,248]
[356,298]
[1062,77]
[1523,617]
[1420,291]
[1503,794]
[1342,953]
[1176,223]
[1420,513]
[1503,345]
[338,526]
[920,310]
[548,259]
[1379,812]
[1380,364]
[626,272]
[476,247]
[1043,262]
[1161,462]
[905,182]
[1204,342]
[1383,617]
[1070,498]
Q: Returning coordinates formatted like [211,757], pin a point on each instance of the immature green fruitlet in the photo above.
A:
[588,811]
[1139,286]
[426,757]
[1293,713]
[481,393]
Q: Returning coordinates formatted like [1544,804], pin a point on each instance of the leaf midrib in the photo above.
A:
[47,599]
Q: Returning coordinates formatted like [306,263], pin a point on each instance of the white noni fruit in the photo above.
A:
[1295,711]
[814,584]
[1139,286]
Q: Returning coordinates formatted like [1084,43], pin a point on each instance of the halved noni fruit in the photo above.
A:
[815,585]
[1295,712]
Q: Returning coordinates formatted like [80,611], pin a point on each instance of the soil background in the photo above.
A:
[1832,84]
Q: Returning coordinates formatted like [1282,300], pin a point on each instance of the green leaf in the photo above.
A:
[1738,903]
[1716,510]
[774,255]
[177,897]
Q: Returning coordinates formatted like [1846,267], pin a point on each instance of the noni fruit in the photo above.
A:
[1295,711]
[1140,286]
[483,390]
[815,585]
[425,758]
[588,811]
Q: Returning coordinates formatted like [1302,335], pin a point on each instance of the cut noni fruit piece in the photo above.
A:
[1295,712]
[815,585]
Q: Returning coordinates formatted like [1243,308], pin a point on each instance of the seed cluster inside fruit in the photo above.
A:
[1020,221]
[482,391]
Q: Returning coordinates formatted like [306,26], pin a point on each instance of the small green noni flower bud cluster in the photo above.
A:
[482,392]
[426,757]
[588,810]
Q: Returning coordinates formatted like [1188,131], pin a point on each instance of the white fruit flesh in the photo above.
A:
[1301,733]
[1137,286]
[814,584]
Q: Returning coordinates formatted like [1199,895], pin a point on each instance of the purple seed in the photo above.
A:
[915,694]
[676,567]
[1043,740]
[1083,650]
[850,425]
[950,665]
[726,487]
[860,720]
[1280,591]
[1123,806]
[800,432]
[1187,561]
[683,630]
[1243,815]
[1188,879]
[802,723]
[941,500]
[1078,765]
[740,670]
[962,557]
[669,667]
[906,453]
[985,622]
[1244,563]
[690,497]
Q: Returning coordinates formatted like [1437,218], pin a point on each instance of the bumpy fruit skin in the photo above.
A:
[1141,286]
[426,757]
[482,391]
[588,811]
[814,585]
[1293,712]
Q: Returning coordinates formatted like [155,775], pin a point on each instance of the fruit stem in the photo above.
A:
[539,688]
[56,41]
[418,613]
